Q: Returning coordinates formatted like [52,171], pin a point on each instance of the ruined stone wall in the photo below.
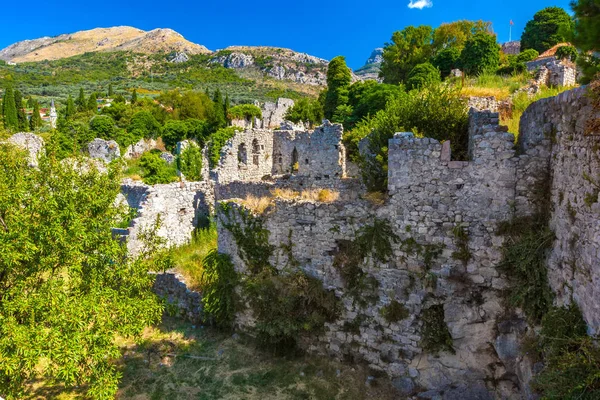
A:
[179,206]
[556,129]
[273,114]
[432,199]
[248,156]
[182,302]
[319,154]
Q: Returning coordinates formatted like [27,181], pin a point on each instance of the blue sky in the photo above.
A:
[324,28]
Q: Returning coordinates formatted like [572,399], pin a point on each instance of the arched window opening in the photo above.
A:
[242,155]
[295,160]
[255,151]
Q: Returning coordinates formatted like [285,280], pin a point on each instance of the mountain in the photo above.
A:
[122,38]
[372,66]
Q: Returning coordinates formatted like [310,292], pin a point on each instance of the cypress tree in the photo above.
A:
[219,114]
[110,90]
[338,86]
[36,119]
[70,111]
[226,106]
[92,103]
[23,123]
[11,119]
[134,97]
[81,102]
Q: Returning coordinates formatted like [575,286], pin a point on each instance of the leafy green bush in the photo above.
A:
[571,358]
[144,125]
[437,112]
[481,53]
[219,281]
[422,75]
[446,60]
[69,289]
[305,110]
[567,52]
[245,111]
[527,55]
[189,162]
[103,127]
[287,305]
[156,170]
[435,336]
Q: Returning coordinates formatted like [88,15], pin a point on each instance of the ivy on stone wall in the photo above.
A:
[435,334]
[286,304]
[219,280]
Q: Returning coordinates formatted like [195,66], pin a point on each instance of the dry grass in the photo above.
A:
[376,198]
[501,93]
[319,195]
[257,204]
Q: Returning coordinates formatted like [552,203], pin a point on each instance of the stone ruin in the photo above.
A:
[431,198]
[552,72]
[32,143]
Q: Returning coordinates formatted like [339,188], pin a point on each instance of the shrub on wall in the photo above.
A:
[438,112]
[567,52]
[219,280]
[156,170]
[217,141]
[189,162]
[422,75]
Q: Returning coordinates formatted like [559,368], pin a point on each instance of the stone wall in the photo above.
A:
[554,73]
[179,206]
[445,214]
[181,301]
[318,154]
[246,157]
[273,114]
[556,129]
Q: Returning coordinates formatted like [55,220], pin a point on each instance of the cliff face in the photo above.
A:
[372,66]
[120,38]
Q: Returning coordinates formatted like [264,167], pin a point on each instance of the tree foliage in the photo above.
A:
[338,84]
[527,55]
[305,110]
[409,47]
[189,162]
[587,24]
[567,53]
[9,110]
[481,53]
[244,111]
[455,35]
[446,60]
[36,119]
[156,170]
[68,287]
[550,26]
[422,75]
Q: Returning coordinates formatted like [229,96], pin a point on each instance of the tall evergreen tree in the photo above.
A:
[110,90]
[550,26]
[338,86]
[92,104]
[70,111]
[220,120]
[81,101]
[21,116]
[11,119]
[36,119]
[226,105]
[134,97]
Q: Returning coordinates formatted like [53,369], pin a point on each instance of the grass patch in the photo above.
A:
[188,258]
[177,360]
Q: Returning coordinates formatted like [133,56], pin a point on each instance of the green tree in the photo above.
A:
[455,35]
[527,55]
[103,126]
[9,109]
[338,84]
[174,131]
[481,53]
[446,60]
[371,98]
[409,47]
[305,110]
[219,118]
[226,105]
[156,170]
[110,90]
[68,287]
[70,110]
[92,104]
[567,52]
[422,75]
[189,162]
[21,116]
[36,120]
[144,125]
[550,26]
[134,97]
[81,103]
[245,111]
[587,24]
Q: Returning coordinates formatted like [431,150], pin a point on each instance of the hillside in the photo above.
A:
[100,40]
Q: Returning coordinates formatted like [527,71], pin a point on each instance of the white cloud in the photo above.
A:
[420,4]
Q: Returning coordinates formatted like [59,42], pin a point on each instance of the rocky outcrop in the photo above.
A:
[512,48]
[372,67]
[30,142]
[139,148]
[105,150]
